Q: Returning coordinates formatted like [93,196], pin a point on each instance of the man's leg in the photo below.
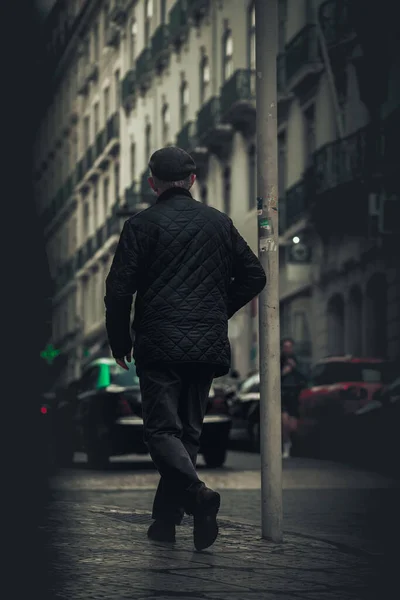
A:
[192,407]
[161,391]
[204,503]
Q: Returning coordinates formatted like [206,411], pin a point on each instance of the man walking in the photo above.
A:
[191,271]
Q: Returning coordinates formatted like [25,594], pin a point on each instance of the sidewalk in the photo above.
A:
[103,553]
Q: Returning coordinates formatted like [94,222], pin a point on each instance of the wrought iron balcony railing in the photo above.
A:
[186,138]
[240,87]
[178,22]
[128,88]
[112,127]
[303,49]
[340,162]
[208,117]
[144,67]
[160,46]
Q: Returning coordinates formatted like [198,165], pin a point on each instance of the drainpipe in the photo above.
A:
[214,48]
[329,73]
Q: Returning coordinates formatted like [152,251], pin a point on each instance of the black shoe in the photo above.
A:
[204,509]
[160,531]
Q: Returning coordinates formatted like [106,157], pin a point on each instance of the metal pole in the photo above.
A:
[267,211]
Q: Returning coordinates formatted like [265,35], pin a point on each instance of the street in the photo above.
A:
[322,500]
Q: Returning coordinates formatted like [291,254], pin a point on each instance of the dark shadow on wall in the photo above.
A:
[24,291]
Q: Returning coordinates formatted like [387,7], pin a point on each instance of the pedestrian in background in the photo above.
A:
[192,271]
[291,381]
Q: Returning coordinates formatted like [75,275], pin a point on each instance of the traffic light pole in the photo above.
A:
[267,215]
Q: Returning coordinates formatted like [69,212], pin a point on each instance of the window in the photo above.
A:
[166,121]
[116,182]
[95,203]
[133,41]
[148,141]
[227,56]
[204,79]
[106,199]
[86,132]
[252,37]
[96,45]
[117,89]
[184,103]
[86,220]
[281,164]
[133,160]
[227,190]
[252,202]
[309,132]
[106,98]
[96,118]
[148,14]
[163,11]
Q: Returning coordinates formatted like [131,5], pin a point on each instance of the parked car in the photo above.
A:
[339,386]
[107,417]
[370,436]
[245,409]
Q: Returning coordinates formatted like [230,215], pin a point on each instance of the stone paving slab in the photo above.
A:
[103,553]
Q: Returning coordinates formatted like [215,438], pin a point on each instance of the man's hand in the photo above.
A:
[121,361]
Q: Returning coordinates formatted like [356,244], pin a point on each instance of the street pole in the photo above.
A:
[267,214]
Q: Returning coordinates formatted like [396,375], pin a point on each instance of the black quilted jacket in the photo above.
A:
[192,271]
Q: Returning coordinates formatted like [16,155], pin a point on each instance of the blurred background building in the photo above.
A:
[127,77]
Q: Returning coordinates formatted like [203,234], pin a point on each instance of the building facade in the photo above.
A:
[130,77]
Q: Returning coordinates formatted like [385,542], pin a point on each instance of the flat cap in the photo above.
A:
[171,164]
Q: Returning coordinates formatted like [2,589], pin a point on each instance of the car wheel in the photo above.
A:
[215,458]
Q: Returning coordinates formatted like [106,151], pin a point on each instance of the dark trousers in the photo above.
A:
[174,401]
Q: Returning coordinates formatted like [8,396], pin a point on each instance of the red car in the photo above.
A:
[338,386]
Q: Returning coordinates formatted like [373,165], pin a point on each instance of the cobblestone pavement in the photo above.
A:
[102,553]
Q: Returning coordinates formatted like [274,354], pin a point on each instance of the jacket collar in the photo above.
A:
[174,191]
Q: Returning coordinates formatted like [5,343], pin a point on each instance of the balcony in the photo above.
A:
[303,62]
[237,102]
[211,132]
[336,26]
[160,50]
[144,68]
[197,9]
[178,24]
[136,201]
[119,12]
[284,95]
[128,90]
[340,168]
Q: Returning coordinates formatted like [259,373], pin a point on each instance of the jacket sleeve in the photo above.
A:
[249,277]
[121,285]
